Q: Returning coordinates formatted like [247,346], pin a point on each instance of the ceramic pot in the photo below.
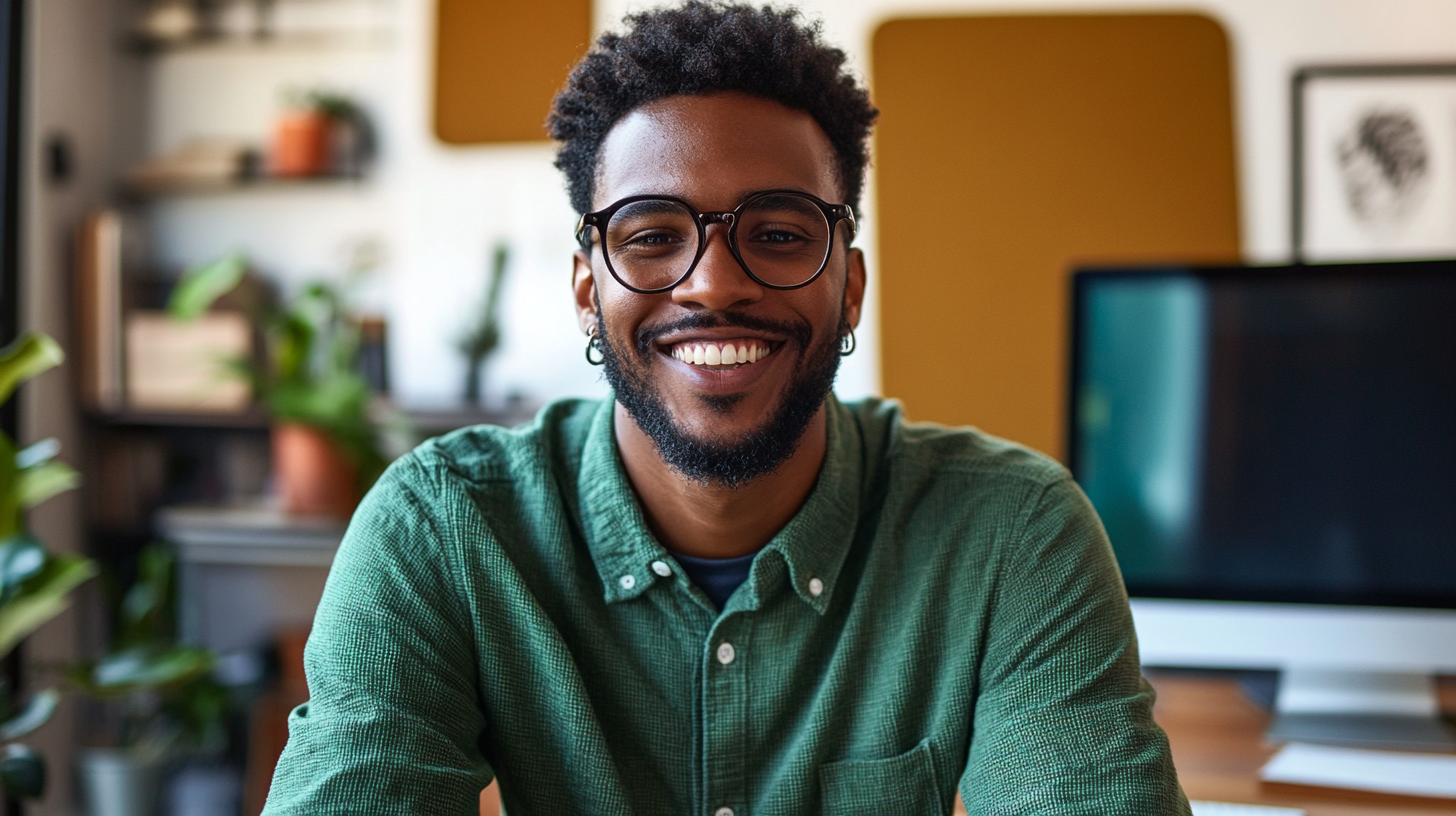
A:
[116,783]
[301,144]
[311,474]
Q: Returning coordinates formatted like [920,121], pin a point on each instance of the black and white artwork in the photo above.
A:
[1375,163]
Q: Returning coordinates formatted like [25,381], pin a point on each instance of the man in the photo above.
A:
[723,591]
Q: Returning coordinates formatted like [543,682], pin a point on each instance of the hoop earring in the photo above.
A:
[594,343]
[847,344]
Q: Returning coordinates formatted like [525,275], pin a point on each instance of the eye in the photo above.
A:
[777,237]
[781,234]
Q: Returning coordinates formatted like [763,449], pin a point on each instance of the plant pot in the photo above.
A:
[117,783]
[301,144]
[311,474]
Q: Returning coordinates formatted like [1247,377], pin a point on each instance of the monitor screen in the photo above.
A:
[1277,434]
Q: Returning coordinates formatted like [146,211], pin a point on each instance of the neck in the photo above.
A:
[709,520]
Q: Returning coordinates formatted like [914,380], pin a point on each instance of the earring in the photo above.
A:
[594,343]
[846,344]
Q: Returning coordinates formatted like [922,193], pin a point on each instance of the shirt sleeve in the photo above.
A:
[1063,718]
[392,725]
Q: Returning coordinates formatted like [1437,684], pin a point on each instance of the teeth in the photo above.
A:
[727,354]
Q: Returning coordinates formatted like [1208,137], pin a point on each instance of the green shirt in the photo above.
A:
[943,611]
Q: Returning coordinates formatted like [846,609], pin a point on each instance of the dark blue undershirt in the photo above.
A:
[716,577]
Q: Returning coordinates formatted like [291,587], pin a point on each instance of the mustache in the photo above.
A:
[800,332]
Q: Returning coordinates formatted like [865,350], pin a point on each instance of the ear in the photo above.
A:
[854,287]
[584,289]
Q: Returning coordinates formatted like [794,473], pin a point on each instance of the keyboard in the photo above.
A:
[1201,808]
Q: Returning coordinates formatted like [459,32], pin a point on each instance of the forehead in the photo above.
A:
[713,150]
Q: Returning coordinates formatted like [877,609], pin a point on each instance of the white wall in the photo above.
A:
[439,209]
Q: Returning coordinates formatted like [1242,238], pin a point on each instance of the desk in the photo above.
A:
[1218,745]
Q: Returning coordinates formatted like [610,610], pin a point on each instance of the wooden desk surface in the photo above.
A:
[1218,745]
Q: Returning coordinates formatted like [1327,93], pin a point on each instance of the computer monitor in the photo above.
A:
[1273,453]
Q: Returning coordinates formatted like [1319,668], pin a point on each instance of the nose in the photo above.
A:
[719,282]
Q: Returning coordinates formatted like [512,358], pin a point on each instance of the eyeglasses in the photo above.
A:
[781,238]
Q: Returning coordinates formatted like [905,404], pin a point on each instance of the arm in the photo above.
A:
[1064,719]
[393,724]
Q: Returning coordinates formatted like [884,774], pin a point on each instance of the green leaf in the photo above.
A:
[21,558]
[30,354]
[35,714]
[10,522]
[22,772]
[146,610]
[201,286]
[41,597]
[40,482]
[143,668]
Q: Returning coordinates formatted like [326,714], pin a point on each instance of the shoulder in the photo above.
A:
[482,454]
[449,490]
[926,450]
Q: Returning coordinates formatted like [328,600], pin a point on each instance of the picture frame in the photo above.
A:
[1373,161]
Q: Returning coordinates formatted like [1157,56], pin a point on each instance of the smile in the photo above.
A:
[727,353]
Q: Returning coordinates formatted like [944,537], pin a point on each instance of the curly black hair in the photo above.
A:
[705,47]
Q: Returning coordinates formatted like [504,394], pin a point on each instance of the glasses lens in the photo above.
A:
[783,238]
[652,243]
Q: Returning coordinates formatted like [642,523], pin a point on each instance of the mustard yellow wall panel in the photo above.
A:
[1012,147]
[498,63]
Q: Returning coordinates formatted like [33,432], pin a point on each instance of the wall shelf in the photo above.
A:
[258,535]
[243,184]
[252,420]
[300,41]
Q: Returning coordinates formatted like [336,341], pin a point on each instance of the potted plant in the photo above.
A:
[35,585]
[321,134]
[481,340]
[165,702]
[326,450]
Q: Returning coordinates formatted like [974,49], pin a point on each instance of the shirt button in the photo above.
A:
[724,811]
[816,587]
[661,568]
[627,581]
[725,656]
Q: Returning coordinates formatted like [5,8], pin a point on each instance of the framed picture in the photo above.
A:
[1374,162]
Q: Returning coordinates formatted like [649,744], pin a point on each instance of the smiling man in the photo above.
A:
[722,591]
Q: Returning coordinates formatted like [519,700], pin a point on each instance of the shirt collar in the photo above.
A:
[813,544]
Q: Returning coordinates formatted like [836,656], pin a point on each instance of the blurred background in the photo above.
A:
[281,241]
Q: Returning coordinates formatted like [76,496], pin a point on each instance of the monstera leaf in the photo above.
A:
[28,356]
[40,596]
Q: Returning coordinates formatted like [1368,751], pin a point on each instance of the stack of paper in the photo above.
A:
[1382,771]
[1232,809]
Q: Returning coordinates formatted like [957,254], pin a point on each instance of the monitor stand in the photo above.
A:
[1392,710]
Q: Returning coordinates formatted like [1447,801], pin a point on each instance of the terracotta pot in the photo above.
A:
[301,142]
[312,476]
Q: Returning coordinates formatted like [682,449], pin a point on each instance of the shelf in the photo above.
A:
[302,41]
[434,422]
[251,420]
[240,185]
[256,535]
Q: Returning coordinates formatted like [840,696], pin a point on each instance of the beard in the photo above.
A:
[730,463]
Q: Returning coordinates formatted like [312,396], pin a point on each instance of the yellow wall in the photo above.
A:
[1012,147]
[498,63]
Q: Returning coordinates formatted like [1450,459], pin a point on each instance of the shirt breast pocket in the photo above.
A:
[904,785]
